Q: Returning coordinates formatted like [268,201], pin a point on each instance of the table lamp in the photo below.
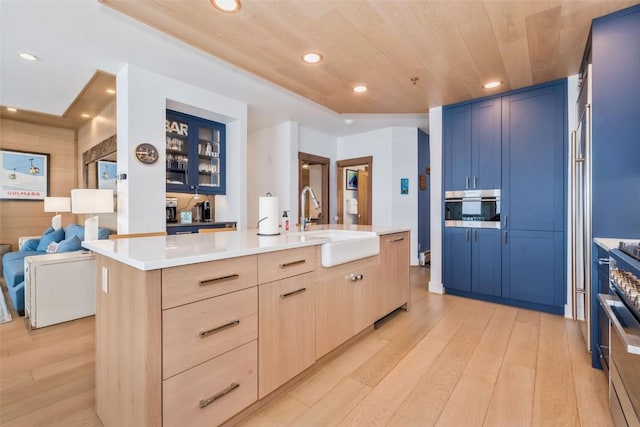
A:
[85,201]
[57,205]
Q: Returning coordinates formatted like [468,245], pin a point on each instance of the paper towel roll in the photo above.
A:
[268,216]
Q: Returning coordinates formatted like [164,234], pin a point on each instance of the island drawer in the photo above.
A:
[212,392]
[197,332]
[189,283]
[281,264]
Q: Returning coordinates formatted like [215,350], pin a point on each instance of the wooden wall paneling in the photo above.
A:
[27,218]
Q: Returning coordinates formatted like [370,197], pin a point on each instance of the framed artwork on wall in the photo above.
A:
[23,175]
[404,185]
[107,172]
[352,179]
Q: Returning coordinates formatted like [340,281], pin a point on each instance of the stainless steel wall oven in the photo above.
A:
[472,208]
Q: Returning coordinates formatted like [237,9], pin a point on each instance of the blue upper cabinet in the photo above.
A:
[457,149]
[195,154]
[486,143]
[472,145]
[533,158]
[615,51]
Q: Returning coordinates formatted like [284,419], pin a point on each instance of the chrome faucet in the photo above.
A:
[303,202]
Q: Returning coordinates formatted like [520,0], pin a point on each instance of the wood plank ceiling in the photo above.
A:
[452,47]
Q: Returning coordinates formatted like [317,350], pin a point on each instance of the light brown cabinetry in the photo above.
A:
[278,265]
[393,282]
[287,330]
[346,302]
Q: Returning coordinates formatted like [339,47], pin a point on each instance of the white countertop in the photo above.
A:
[608,243]
[151,253]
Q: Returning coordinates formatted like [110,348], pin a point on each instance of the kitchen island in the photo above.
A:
[198,327]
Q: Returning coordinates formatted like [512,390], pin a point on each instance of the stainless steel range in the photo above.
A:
[622,306]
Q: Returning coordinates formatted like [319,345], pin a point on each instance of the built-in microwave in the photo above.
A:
[472,208]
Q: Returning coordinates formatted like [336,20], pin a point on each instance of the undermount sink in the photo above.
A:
[345,245]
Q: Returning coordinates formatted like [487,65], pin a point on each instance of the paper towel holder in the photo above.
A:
[262,219]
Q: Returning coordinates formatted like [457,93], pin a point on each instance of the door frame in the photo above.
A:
[324,197]
[340,165]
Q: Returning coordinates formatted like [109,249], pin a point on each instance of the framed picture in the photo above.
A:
[107,172]
[23,175]
[352,179]
[404,185]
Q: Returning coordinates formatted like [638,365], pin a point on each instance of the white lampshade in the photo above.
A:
[88,201]
[57,204]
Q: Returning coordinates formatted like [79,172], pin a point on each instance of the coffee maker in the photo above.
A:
[171,204]
[206,211]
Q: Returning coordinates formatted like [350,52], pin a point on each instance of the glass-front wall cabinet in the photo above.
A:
[195,154]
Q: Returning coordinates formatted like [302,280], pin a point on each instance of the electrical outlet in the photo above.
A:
[105,280]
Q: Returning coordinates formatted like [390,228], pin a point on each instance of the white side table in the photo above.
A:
[59,287]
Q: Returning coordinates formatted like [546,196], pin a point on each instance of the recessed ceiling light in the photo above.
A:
[312,57]
[13,110]
[228,6]
[29,56]
[111,91]
[85,115]
[348,122]
[491,85]
[359,89]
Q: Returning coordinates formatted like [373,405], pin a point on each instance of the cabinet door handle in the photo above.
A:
[292,263]
[504,236]
[466,235]
[475,235]
[288,294]
[183,232]
[603,261]
[208,332]
[205,402]
[466,183]
[218,279]
[506,221]
[475,182]
[399,239]
[355,277]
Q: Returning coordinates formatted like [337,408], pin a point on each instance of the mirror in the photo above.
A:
[104,151]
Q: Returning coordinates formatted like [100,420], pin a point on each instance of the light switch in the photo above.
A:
[105,280]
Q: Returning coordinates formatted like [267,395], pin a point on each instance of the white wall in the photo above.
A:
[272,167]
[142,99]
[435,159]
[395,154]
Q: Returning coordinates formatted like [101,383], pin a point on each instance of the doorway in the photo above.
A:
[314,171]
[355,178]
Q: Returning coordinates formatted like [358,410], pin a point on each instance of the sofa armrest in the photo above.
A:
[23,239]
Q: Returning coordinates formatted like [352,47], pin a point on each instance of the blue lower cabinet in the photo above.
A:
[472,260]
[486,261]
[533,269]
[457,258]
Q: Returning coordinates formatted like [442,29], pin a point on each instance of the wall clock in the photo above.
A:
[147,154]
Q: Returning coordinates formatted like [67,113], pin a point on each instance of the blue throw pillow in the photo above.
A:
[68,245]
[54,236]
[74,230]
[30,245]
[103,233]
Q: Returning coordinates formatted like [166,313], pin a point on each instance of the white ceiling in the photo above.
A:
[74,38]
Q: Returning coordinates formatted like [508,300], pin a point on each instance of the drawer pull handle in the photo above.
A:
[219,328]
[355,277]
[292,263]
[288,294]
[399,239]
[206,402]
[218,279]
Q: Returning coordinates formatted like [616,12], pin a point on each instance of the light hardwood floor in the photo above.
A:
[448,361]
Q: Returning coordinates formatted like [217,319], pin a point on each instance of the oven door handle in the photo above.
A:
[631,342]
